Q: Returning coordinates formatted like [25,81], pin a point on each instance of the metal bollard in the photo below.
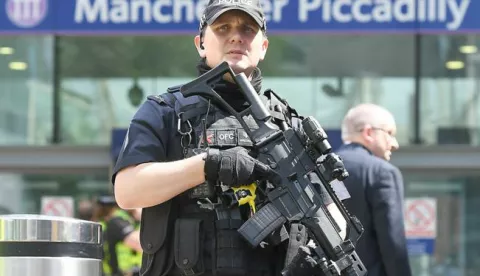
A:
[36,245]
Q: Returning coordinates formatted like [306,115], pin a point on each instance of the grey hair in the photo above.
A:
[362,115]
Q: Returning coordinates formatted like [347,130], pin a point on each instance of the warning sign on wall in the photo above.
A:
[421,218]
[420,225]
[61,206]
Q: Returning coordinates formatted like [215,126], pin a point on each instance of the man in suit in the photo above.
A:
[376,189]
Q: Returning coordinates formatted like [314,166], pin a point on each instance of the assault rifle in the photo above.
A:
[292,156]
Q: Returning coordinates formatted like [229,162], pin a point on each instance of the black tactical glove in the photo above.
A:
[234,167]
[303,264]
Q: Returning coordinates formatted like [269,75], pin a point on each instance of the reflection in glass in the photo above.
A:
[456,248]
[26,90]
[22,193]
[329,72]
[450,89]
[319,75]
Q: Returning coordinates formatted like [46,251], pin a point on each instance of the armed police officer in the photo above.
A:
[178,151]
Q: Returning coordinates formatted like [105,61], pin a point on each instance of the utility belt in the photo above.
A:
[206,242]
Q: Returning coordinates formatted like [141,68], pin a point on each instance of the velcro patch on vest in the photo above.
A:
[243,138]
[228,138]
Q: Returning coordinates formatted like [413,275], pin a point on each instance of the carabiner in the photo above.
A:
[179,126]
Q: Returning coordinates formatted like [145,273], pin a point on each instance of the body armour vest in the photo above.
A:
[196,232]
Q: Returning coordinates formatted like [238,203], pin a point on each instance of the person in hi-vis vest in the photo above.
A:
[121,239]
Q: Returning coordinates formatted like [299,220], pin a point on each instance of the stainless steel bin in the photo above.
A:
[35,245]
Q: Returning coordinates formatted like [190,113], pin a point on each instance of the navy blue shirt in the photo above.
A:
[149,136]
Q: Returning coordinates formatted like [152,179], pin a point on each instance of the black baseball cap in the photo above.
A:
[106,200]
[215,8]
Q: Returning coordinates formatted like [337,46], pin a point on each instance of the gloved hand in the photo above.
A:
[234,167]
[303,264]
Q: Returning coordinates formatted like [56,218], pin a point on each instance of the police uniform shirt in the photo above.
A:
[147,136]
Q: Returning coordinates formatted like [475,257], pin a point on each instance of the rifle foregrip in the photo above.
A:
[263,223]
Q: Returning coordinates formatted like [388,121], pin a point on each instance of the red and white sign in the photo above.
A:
[421,218]
[60,206]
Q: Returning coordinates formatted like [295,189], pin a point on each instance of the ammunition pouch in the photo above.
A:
[156,222]
[188,247]
[234,257]
[230,248]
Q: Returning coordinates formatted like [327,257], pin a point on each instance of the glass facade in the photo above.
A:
[26,90]
[326,71]
[437,93]
[456,249]
[22,193]
[449,89]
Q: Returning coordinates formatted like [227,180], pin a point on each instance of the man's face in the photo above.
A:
[235,38]
[382,139]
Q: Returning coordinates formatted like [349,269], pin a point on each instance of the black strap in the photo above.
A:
[167,99]
[187,112]
[279,107]
[275,106]
[190,112]
[174,89]
[278,236]
[51,249]
[154,230]
[228,223]
[188,246]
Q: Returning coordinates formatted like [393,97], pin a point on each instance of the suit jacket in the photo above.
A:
[376,189]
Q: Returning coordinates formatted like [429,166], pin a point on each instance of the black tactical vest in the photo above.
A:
[190,235]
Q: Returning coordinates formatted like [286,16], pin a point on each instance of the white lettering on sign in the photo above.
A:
[160,11]
[366,11]
[450,12]
[247,2]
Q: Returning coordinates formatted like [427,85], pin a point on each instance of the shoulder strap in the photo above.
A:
[279,107]
[186,108]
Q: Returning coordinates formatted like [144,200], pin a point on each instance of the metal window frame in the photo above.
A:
[438,161]
[55,159]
